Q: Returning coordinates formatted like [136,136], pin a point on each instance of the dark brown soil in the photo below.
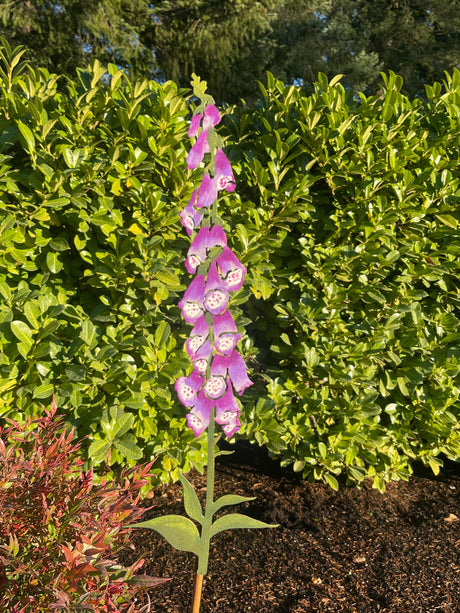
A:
[351,551]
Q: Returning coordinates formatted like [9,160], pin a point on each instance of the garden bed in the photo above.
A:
[353,551]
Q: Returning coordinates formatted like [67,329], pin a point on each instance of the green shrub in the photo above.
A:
[91,257]
[347,219]
[350,210]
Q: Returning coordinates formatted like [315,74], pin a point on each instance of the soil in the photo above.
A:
[351,551]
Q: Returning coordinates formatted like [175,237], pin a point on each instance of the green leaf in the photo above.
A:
[32,312]
[53,262]
[332,481]
[162,333]
[180,532]
[88,332]
[229,499]
[24,349]
[234,521]
[22,331]
[43,391]
[27,135]
[99,449]
[127,446]
[448,220]
[122,424]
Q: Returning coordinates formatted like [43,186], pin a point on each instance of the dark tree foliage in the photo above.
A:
[232,43]
[64,35]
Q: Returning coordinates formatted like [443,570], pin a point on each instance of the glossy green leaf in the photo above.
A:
[22,331]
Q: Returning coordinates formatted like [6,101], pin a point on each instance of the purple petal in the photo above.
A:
[211,116]
[191,304]
[238,373]
[225,333]
[231,269]
[197,251]
[217,237]
[190,217]
[200,359]
[198,336]
[226,407]
[196,153]
[187,388]
[216,296]
[235,367]
[207,192]
[231,427]
[215,387]
[198,418]
[224,176]
[195,125]
[219,366]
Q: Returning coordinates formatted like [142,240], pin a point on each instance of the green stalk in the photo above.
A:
[208,513]
[203,557]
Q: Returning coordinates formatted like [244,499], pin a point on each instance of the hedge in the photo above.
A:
[346,217]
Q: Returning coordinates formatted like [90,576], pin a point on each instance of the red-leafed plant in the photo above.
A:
[59,532]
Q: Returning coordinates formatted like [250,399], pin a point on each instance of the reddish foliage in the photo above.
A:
[59,531]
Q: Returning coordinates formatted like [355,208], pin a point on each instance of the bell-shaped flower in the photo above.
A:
[233,366]
[233,425]
[215,386]
[187,388]
[191,304]
[195,125]
[200,359]
[196,153]
[231,269]
[223,174]
[190,218]
[215,295]
[211,116]
[227,413]
[207,192]
[198,418]
[198,336]
[226,407]
[204,241]
[225,333]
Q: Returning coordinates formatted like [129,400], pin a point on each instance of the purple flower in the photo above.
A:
[231,270]
[198,336]
[235,367]
[227,412]
[204,241]
[191,304]
[198,418]
[225,333]
[211,116]
[195,125]
[215,296]
[215,386]
[187,388]
[207,192]
[200,358]
[196,153]
[223,175]
[190,217]
[210,119]
[232,426]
